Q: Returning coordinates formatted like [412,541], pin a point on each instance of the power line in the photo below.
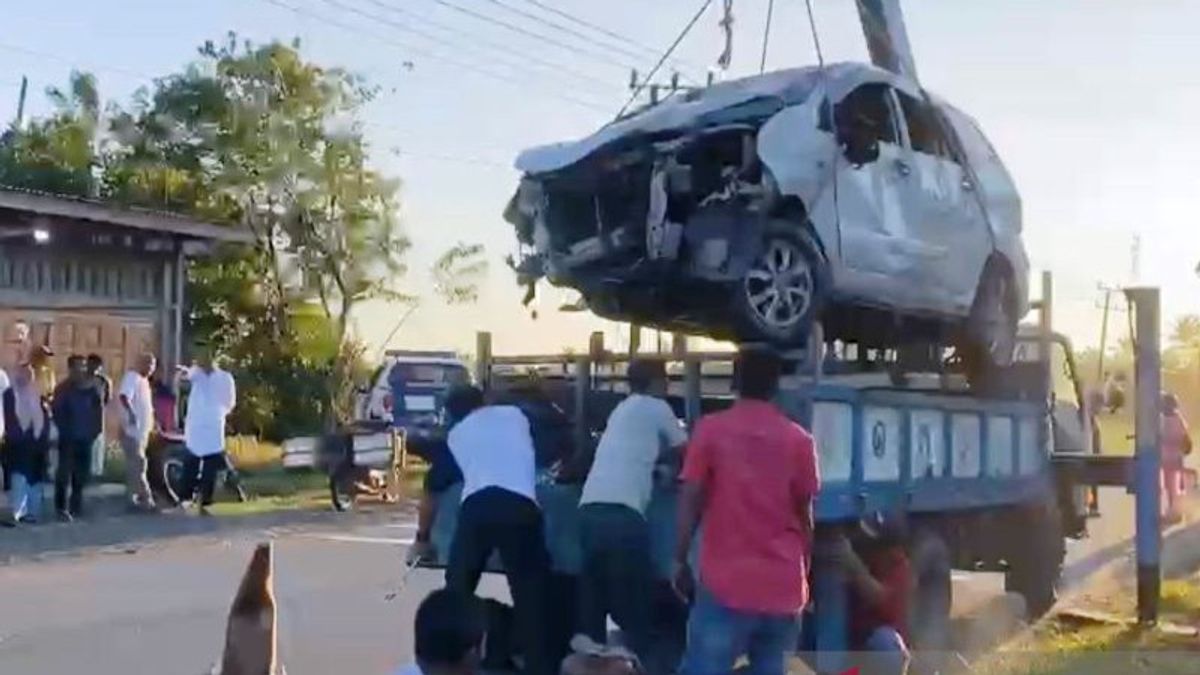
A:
[573,48]
[565,29]
[476,40]
[133,74]
[430,54]
[587,24]
[666,55]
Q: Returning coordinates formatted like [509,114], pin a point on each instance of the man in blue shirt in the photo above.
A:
[79,415]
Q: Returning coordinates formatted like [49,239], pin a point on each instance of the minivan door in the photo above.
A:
[951,224]
[873,213]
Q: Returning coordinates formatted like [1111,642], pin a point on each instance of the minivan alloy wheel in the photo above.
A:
[779,286]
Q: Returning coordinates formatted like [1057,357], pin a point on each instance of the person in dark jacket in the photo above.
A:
[27,444]
[78,412]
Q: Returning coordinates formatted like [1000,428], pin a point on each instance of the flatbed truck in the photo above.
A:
[992,476]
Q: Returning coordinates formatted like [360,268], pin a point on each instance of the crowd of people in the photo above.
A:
[749,473]
[62,424]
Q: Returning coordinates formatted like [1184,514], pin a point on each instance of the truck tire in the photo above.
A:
[1035,556]
[929,611]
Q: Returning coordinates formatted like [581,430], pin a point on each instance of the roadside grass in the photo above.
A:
[1066,645]
[270,487]
[1115,432]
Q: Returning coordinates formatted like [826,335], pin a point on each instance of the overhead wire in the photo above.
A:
[603,31]
[666,55]
[475,40]
[507,25]
[464,65]
[532,16]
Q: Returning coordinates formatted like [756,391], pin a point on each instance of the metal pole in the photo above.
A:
[583,383]
[692,391]
[1103,336]
[483,359]
[1148,459]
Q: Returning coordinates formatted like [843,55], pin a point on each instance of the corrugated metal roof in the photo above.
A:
[79,208]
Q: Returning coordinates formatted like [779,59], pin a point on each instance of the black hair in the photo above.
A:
[75,359]
[449,625]
[463,400]
[95,358]
[757,373]
[643,372]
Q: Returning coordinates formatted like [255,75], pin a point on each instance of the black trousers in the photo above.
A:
[200,471]
[71,475]
[491,520]
[617,577]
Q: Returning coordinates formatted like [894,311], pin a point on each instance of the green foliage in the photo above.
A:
[57,154]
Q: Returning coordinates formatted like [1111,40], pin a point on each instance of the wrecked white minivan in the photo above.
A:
[753,208]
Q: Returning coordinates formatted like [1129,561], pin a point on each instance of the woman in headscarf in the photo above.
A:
[1176,444]
[27,443]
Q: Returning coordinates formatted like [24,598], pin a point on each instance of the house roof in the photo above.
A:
[78,208]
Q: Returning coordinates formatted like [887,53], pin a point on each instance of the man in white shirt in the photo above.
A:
[493,446]
[210,400]
[617,575]
[137,421]
[448,634]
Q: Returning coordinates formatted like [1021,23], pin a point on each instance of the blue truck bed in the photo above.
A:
[919,451]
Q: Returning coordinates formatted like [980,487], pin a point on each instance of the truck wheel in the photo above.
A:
[929,611]
[780,296]
[1035,557]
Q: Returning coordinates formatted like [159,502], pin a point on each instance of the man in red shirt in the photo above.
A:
[751,474]
[880,580]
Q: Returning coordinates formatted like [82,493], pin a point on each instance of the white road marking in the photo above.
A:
[401,526]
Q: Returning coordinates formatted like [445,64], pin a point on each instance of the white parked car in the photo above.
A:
[753,208]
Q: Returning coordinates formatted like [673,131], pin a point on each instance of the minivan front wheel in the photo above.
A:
[778,297]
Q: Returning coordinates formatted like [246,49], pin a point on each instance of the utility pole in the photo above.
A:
[1144,302]
[657,88]
[21,101]
[1108,291]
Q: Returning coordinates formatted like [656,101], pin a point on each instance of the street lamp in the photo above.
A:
[41,235]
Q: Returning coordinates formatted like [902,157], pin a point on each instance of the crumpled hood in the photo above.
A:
[678,112]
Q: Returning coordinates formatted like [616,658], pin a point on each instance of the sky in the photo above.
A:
[1091,103]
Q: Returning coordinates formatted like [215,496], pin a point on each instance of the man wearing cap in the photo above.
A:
[751,473]
[617,573]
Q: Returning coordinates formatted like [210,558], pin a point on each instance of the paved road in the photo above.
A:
[161,609]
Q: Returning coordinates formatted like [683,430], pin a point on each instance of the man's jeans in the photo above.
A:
[717,636]
[74,464]
[617,575]
[26,497]
[496,520]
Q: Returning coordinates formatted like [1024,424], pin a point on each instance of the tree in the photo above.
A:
[57,154]
[256,137]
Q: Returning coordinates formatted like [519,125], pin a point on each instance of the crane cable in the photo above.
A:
[812,24]
[666,55]
[762,64]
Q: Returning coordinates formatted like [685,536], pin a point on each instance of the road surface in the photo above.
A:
[161,609]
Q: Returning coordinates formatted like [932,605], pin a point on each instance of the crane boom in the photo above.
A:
[886,35]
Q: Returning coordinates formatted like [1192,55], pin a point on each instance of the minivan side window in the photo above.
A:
[925,131]
[867,110]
